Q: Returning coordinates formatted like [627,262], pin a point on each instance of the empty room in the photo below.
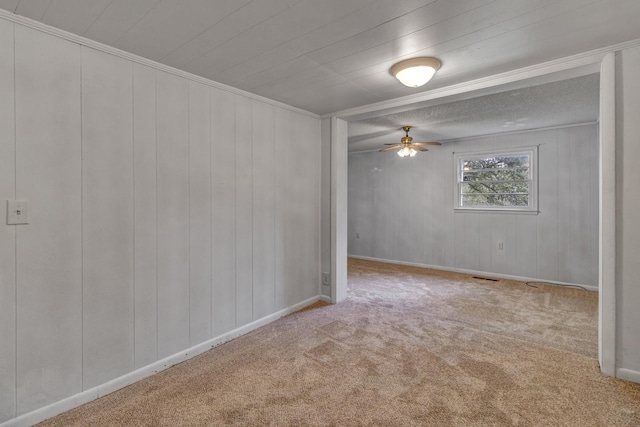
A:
[305,212]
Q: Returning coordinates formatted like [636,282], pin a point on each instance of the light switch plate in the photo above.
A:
[325,279]
[17,212]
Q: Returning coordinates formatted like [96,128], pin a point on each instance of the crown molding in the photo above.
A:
[83,41]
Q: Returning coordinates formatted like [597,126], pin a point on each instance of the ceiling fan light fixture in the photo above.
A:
[408,148]
[415,72]
[407,152]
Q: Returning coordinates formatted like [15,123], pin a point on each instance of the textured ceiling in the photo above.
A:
[557,103]
[329,55]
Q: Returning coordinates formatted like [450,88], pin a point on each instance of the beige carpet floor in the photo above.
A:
[409,347]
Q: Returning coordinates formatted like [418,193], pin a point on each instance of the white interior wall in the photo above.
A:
[402,210]
[325,204]
[627,208]
[163,213]
[7,233]
[339,207]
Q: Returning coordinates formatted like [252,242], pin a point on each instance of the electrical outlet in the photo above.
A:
[325,279]
[500,246]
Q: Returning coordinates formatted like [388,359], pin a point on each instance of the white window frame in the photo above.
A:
[532,152]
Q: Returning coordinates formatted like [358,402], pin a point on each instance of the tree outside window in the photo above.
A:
[503,180]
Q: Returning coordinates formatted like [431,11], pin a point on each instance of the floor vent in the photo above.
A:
[486,278]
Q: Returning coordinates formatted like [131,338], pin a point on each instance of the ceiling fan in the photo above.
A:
[407,147]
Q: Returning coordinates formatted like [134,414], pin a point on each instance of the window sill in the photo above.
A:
[497,211]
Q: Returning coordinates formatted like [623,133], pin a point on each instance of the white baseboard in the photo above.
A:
[628,375]
[325,298]
[474,272]
[93,393]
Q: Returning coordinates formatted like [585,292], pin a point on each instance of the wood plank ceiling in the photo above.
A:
[329,55]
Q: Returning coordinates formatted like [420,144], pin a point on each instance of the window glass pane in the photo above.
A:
[495,200]
[496,162]
[496,175]
[495,187]
[497,180]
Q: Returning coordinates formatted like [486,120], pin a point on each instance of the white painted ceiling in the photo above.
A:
[558,103]
[329,55]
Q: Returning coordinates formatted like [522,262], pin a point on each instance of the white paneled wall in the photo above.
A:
[244,211]
[200,235]
[263,244]
[402,210]
[107,217]
[145,216]
[627,207]
[301,211]
[223,211]
[282,142]
[7,232]
[172,109]
[49,250]
[163,213]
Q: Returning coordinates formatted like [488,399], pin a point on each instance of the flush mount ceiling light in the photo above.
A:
[415,72]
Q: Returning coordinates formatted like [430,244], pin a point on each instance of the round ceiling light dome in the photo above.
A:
[415,72]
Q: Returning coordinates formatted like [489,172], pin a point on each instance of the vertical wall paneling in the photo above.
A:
[407,211]
[499,234]
[309,154]
[548,198]
[358,192]
[594,217]
[49,248]
[325,202]
[244,212]
[484,243]
[627,228]
[365,220]
[418,253]
[199,212]
[427,215]
[173,213]
[263,191]
[527,225]
[560,243]
[301,209]
[145,215]
[472,245]
[527,242]
[574,239]
[442,203]
[7,232]
[460,242]
[294,239]
[568,213]
[107,217]
[282,145]
[223,211]
[581,176]
[339,209]
[163,212]
[510,244]
[385,219]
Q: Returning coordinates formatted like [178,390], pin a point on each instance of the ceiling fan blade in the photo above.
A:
[417,147]
[392,143]
[390,148]
[427,143]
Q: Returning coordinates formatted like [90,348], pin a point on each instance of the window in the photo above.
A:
[504,180]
